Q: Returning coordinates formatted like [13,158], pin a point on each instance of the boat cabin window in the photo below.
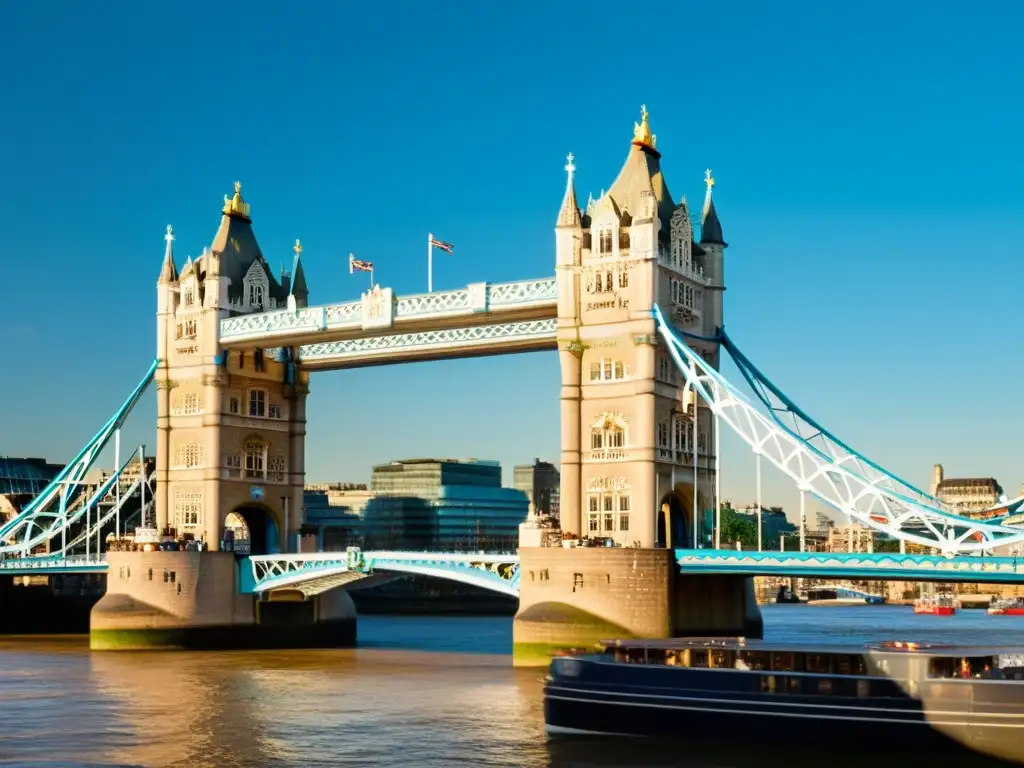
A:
[819,663]
[964,667]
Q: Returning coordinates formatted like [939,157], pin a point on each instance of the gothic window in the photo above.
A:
[275,469]
[702,443]
[189,296]
[608,511]
[233,405]
[255,459]
[683,435]
[663,436]
[605,242]
[233,465]
[663,369]
[623,279]
[623,240]
[258,403]
[274,411]
[608,433]
[586,241]
[607,369]
[608,284]
[188,455]
[190,328]
[188,509]
[255,295]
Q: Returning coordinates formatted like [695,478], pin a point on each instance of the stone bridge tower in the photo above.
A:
[231,426]
[627,434]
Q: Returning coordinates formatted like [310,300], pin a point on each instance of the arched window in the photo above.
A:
[255,458]
[608,505]
[608,437]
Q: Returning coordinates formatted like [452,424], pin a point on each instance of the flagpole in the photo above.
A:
[371,278]
[430,263]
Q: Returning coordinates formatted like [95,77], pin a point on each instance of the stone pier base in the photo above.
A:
[190,601]
[574,598]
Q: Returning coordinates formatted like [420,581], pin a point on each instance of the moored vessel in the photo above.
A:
[1013,606]
[892,696]
[936,605]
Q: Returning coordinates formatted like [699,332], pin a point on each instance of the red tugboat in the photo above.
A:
[936,605]
[1008,607]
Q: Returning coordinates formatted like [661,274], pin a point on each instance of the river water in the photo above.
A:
[418,692]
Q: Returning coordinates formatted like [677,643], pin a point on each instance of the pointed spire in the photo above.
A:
[236,207]
[642,136]
[711,227]
[299,288]
[169,272]
[569,216]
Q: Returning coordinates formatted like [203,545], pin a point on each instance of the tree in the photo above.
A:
[737,527]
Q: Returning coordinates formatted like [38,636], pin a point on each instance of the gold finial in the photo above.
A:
[709,179]
[297,248]
[170,233]
[570,167]
[642,135]
[236,206]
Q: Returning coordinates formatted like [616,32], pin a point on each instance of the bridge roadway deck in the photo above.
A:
[481,319]
[297,568]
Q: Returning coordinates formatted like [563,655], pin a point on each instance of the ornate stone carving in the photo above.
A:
[598,484]
[378,308]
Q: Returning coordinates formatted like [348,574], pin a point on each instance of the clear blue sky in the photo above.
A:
[868,156]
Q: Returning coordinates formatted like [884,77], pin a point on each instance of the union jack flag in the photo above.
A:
[446,247]
[356,265]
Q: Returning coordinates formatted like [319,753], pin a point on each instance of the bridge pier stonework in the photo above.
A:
[631,434]
[230,453]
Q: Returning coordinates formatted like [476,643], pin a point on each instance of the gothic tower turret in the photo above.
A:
[624,428]
[231,425]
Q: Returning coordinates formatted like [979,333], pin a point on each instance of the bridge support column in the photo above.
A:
[574,598]
[191,601]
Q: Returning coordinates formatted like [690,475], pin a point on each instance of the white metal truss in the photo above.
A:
[62,503]
[448,340]
[326,570]
[831,479]
[260,327]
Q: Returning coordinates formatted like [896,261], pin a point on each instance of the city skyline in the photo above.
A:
[845,278]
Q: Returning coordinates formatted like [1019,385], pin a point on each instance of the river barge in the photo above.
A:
[890,696]
[1009,607]
[937,605]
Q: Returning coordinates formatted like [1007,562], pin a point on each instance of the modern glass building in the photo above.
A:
[25,476]
[440,504]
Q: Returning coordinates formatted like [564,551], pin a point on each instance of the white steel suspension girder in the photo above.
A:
[831,480]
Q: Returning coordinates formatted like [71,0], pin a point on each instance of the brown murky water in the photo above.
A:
[419,692]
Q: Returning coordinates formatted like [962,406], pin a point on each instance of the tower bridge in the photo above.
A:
[634,311]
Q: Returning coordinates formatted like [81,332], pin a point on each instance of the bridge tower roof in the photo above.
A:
[642,173]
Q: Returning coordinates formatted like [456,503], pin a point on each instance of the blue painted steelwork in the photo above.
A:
[495,572]
[40,566]
[61,503]
[836,565]
[833,478]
